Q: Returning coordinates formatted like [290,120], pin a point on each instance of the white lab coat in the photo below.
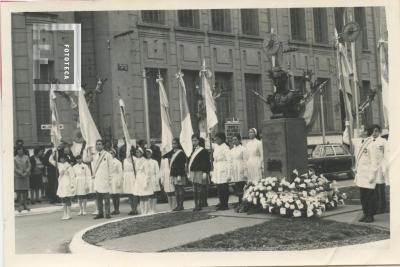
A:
[238,163]
[255,164]
[101,168]
[129,177]
[83,179]
[222,169]
[116,176]
[379,146]
[366,165]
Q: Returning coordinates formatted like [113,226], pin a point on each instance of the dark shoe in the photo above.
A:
[108,216]
[132,213]
[19,209]
[115,212]
[222,208]
[362,219]
[26,208]
[99,216]
[369,219]
[218,205]
[38,201]
[197,209]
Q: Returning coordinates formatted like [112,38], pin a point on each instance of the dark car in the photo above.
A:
[331,160]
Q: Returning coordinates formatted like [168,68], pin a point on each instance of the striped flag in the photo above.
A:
[125,127]
[310,111]
[383,59]
[211,110]
[185,137]
[88,127]
[55,130]
[166,131]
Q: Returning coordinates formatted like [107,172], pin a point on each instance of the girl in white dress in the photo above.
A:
[116,181]
[238,166]
[129,184]
[66,183]
[221,173]
[153,171]
[83,179]
[255,164]
[144,183]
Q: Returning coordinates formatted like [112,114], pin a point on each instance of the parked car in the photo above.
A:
[331,160]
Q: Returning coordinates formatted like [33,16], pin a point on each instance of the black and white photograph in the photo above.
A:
[137,129]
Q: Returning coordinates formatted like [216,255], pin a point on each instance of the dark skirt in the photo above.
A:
[36,181]
[196,177]
[179,180]
[21,183]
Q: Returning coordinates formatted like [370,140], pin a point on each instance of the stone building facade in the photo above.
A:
[118,45]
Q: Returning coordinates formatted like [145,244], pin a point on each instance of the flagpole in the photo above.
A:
[180,96]
[146,108]
[344,93]
[355,79]
[321,100]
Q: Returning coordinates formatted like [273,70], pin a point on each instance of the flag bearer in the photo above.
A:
[144,183]
[116,181]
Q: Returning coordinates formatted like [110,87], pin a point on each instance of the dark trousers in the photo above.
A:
[180,195]
[223,194]
[367,197]
[106,197]
[380,195]
[52,189]
[115,201]
[239,186]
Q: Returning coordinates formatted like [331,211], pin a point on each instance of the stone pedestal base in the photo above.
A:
[285,147]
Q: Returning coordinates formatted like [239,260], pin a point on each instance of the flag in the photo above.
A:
[127,136]
[383,59]
[185,137]
[310,111]
[211,110]
[166,131]
[88,127]
[55,131]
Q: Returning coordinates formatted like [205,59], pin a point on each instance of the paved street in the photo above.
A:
[46,233]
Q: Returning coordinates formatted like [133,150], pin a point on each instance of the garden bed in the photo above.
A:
[137,225]
[288,234]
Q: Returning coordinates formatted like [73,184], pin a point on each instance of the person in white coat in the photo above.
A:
[238,166]
[101,164]
[144,184]
[83,179]
[129,181]
[255,164]
[116,181]
[153,172]
[66,183]
[221,173]
[366,171]
[379,145]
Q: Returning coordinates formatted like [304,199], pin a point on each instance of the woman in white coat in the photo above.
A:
[255,164]
[153,172]
[144,183]
[366,177]
[83,179]
[238,166]
[116,181]
[221,174]
[129,181]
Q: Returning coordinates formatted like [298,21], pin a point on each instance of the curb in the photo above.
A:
[46,210]
[80,246]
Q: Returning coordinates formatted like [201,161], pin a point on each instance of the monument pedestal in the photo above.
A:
[285,147]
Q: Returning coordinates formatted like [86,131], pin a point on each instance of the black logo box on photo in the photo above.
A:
[59,65]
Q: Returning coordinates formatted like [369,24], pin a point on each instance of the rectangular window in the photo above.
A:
[153,16]
[189,18]
[298,24]
[153,96]
[221,20]
[224,103]
[320,25]
[360,18]
[254,106]
[339,18]
[42,102]
[249,19]
[193,96]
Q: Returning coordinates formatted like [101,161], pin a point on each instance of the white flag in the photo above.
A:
[185,137]
[166,132]
[383,59]
[88,127]
[55,131]
[211,110]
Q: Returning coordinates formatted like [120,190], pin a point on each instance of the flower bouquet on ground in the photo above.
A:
[307,195]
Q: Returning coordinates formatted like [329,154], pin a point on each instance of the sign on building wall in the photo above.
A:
[231,128]
[122,67]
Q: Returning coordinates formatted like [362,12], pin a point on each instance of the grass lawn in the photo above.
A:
[288,234]
[137,225]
